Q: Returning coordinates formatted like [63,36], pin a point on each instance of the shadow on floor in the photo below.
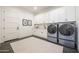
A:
[6,48]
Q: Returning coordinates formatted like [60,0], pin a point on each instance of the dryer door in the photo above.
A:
[66,29]
[52,29]
[66,32]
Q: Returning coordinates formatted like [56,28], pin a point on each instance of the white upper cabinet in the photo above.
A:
[41,18]
[36,19]
[70,13]
[77,15]
[57,15]
[62,14]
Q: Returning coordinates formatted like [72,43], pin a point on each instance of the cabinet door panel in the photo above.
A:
[10,28]
[70,13]
[57,15]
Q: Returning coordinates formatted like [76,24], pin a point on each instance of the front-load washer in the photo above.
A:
[52,32]
[67,34]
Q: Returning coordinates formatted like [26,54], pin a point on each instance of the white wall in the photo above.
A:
[13,18]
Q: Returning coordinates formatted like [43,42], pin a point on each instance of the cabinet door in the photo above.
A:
[9,25]
[41,18]
[57,15]
[60,14]
[52,16]
[45,18]
[10,28]
[70,13]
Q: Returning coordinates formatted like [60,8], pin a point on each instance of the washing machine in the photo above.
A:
[67,34]
[52,32]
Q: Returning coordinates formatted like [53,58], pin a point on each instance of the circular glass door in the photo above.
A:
[66,29]
[52,29]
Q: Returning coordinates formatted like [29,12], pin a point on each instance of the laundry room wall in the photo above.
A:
[77,23]
[12,27]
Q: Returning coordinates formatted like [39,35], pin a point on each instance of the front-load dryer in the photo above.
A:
[52,32]
[67,34]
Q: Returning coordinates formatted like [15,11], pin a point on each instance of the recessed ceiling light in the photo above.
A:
[35,8]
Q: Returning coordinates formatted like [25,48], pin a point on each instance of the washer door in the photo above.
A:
[52,29]
[66,29]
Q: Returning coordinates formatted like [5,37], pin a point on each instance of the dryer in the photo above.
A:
[52,32]
[67,34]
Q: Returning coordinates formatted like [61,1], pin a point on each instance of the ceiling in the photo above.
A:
[39,10]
